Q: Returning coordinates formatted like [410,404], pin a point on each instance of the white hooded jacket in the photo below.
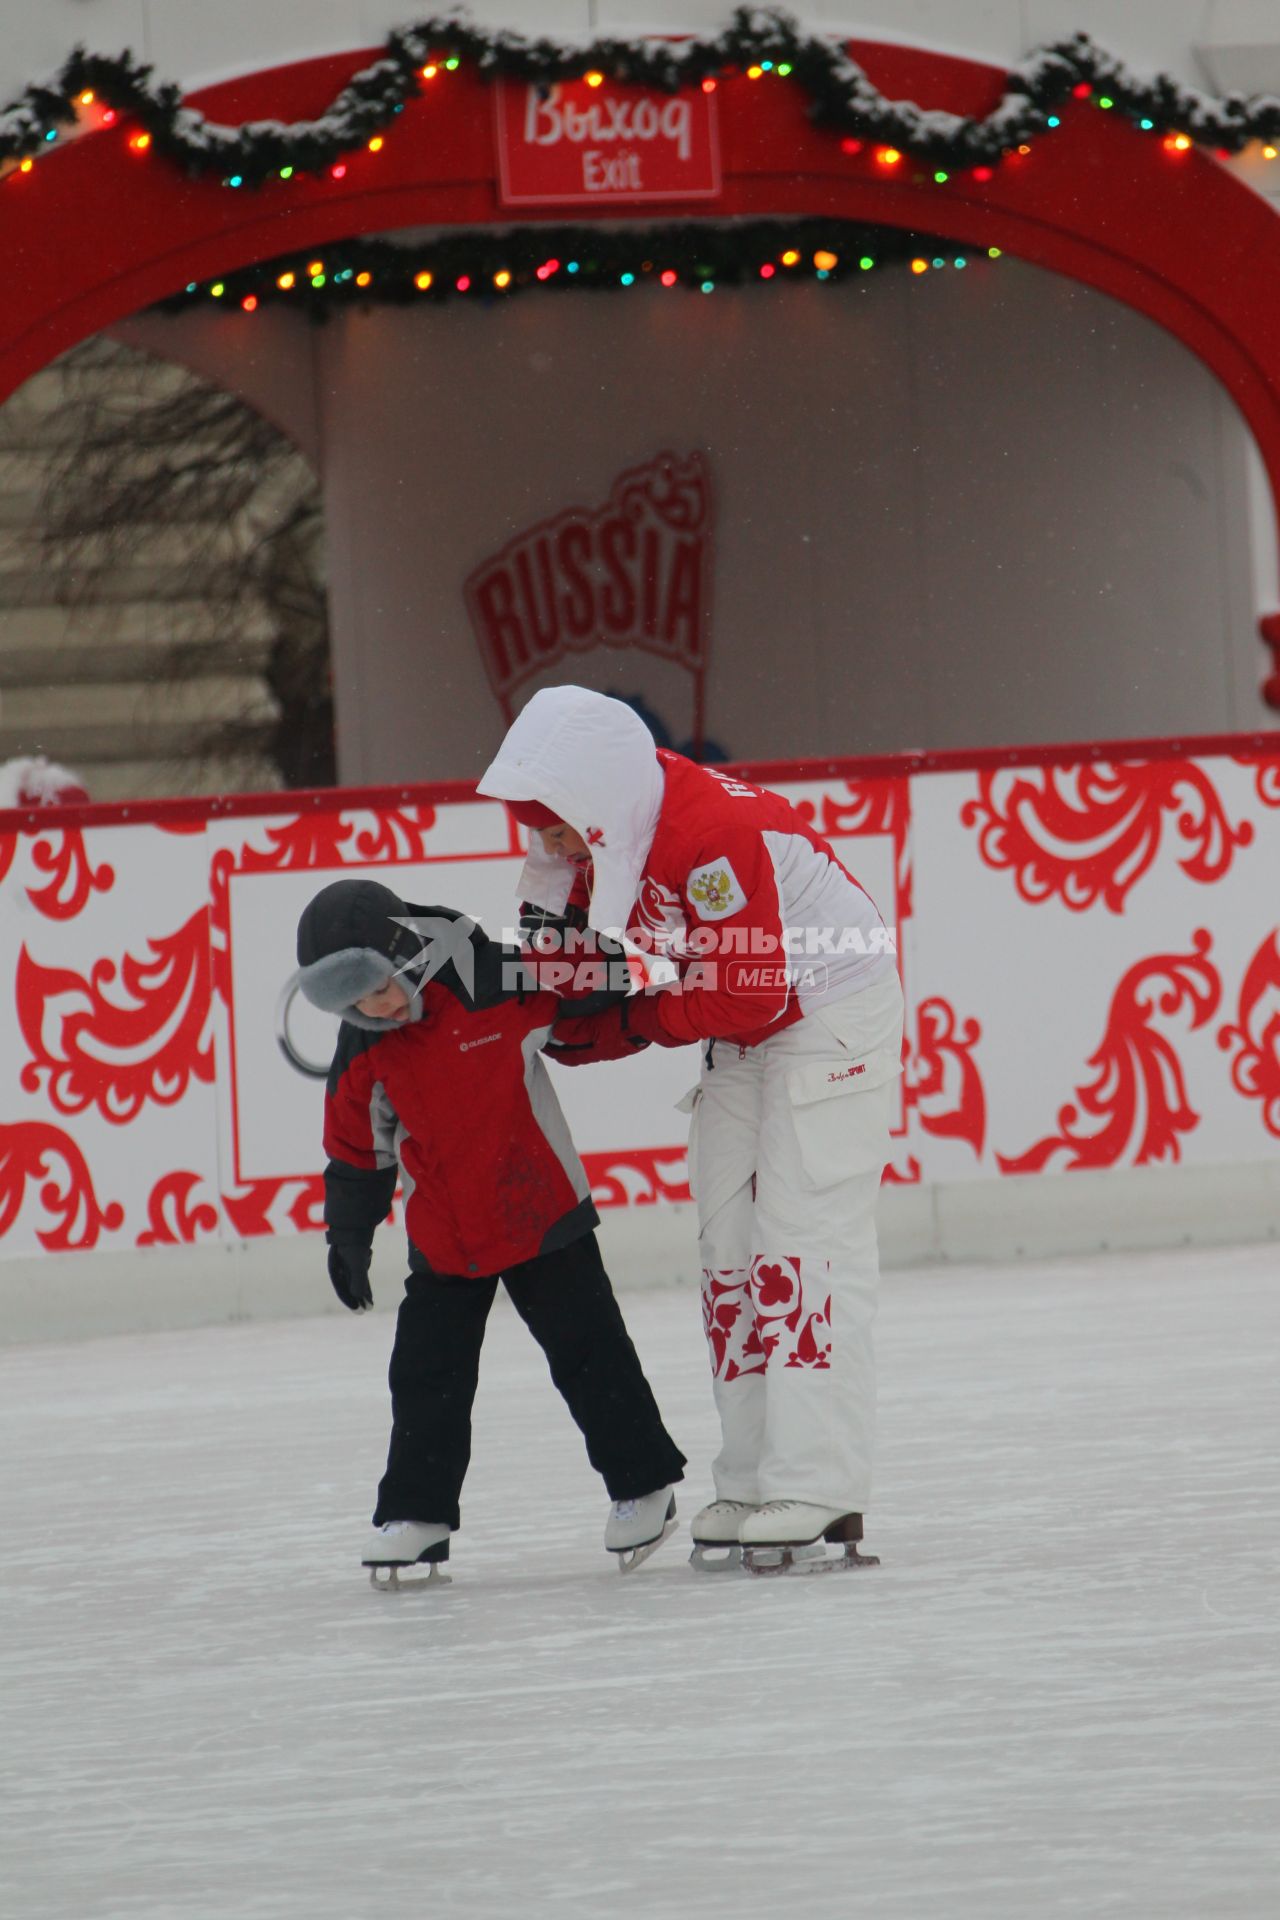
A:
[678,851]
[592,761]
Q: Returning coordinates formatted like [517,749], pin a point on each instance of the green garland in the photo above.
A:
[487,265]
[840,96]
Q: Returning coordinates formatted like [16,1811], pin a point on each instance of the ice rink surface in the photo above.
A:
[1060,1694]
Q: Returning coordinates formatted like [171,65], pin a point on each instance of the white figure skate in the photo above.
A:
[715,1532]
[787,1536]
[407,1543]
[637,1528]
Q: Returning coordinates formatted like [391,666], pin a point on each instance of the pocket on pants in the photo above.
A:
[842,1111]
[690,1105]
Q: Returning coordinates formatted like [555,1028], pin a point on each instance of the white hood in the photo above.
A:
[594,763]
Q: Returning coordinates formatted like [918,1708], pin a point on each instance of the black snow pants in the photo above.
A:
[567,1303]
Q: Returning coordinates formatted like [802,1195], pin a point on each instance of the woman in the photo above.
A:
[789,984]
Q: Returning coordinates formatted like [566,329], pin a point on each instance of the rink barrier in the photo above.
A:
[1089,945]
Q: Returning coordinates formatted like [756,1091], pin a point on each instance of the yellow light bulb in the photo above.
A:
[285,281]
[376,144]
[422,281]
[790,258]
[919,266]
[594,79]
[314,267]
[502,279]
[87,97]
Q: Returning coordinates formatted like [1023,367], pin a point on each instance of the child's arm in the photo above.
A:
[360,1177]
[579,1040]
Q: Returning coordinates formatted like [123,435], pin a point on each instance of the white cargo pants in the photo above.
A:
[786,1149]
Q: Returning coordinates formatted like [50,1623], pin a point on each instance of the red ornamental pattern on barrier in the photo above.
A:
[173,1220]
[1266,770]
[876,806]
[145,1042]
[758,1316]
[63,856]
[1255,1070]
[29,1151]
[1138,1096]
[638,1178]
[944,1084]
[254,1209]
[1088,833]
[312,840]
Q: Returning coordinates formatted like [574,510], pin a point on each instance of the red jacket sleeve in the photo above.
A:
[359,1139]
[736,981]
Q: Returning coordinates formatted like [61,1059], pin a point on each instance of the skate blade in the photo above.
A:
[785,1563]
[716,1557]
[390,1579]
[629,1558]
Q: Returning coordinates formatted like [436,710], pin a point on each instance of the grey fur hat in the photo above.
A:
[350,943]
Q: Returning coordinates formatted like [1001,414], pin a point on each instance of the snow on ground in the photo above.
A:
[1058,1695]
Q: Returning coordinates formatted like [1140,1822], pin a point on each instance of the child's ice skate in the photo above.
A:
[787,1536]
[407,1543]
[637,1528]
[715,1532]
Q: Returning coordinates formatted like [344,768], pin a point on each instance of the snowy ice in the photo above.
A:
[1058,1695]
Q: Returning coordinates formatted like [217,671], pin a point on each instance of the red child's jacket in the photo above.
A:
[460,1102]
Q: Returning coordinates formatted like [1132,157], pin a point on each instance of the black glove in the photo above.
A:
[349,1272]
[535,920]
[601,975]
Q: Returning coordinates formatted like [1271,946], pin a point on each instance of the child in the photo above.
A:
[437,1075]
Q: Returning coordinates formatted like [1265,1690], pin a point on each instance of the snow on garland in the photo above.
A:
[840,95]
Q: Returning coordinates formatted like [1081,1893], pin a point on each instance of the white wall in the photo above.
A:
[952,511]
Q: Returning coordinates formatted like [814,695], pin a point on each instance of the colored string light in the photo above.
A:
[459,266]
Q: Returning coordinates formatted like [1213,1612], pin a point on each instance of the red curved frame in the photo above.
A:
[96,230]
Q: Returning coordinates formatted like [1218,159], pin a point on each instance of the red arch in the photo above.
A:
[96,231]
